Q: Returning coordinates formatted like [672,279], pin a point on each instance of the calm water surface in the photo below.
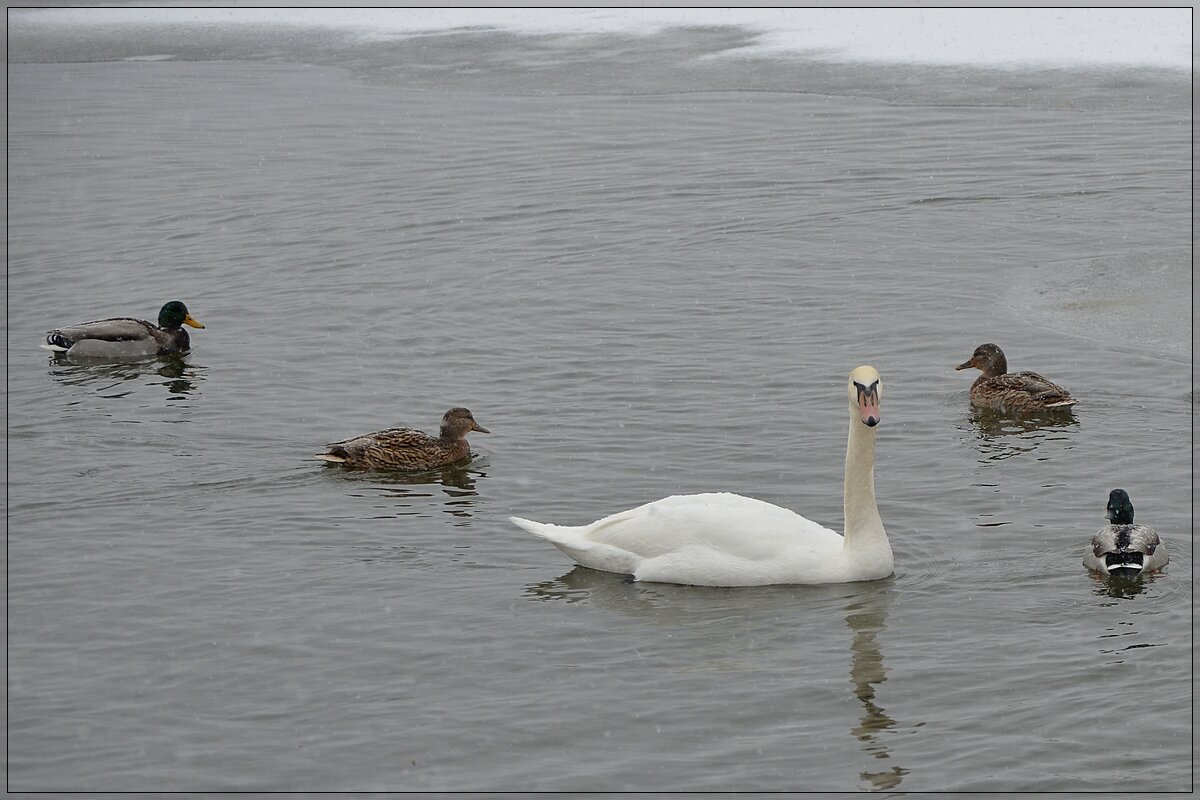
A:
[640,295]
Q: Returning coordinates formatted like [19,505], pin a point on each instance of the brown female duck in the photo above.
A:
[1005,391]
[408,448]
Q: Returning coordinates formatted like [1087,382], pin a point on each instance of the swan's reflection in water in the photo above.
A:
[111,378]
[572,587]
[866,615]
[607,590]
[866,612]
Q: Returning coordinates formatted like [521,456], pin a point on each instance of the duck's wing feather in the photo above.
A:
[1125,538]
[1145,540]
[1142,539]
[1021,386]
[396,448]
[1104,541]
[389,437]
[1157,552]
[118,329]
[1040,385]
[1121,539]
[120,337]
[1021,390]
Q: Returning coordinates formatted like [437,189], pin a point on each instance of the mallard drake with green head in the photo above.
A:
[1007,392]
[125,337]
[407,448]
[1122,548]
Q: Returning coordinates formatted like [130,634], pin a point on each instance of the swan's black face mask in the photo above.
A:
[868,403]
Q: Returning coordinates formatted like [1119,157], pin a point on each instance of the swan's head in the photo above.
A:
[988,359]
[864,391]
[1120,508]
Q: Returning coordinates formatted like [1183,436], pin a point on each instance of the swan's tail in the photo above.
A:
[574,542]
[543,529]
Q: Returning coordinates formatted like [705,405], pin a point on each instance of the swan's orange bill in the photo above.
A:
[868,409]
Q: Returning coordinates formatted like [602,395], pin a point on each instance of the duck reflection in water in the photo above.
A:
[413,489]
[178,374]
[1121,587]
[181,377]
[999,436]
[995,424]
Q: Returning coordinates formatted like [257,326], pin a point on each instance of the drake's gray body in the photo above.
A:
[126,337]
[1123,548]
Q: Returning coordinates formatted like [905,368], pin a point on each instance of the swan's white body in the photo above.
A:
[731,540]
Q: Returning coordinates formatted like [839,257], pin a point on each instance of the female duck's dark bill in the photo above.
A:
[868,403]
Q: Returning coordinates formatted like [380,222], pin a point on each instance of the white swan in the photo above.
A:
[731,540]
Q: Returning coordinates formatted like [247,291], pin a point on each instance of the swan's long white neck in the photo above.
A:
[864,528]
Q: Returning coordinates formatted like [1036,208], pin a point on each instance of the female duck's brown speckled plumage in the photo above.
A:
[1005,391]
[407,448]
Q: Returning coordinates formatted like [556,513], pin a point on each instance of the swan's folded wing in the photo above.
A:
[737,526]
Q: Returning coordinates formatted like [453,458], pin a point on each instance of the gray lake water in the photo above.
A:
[643,282]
